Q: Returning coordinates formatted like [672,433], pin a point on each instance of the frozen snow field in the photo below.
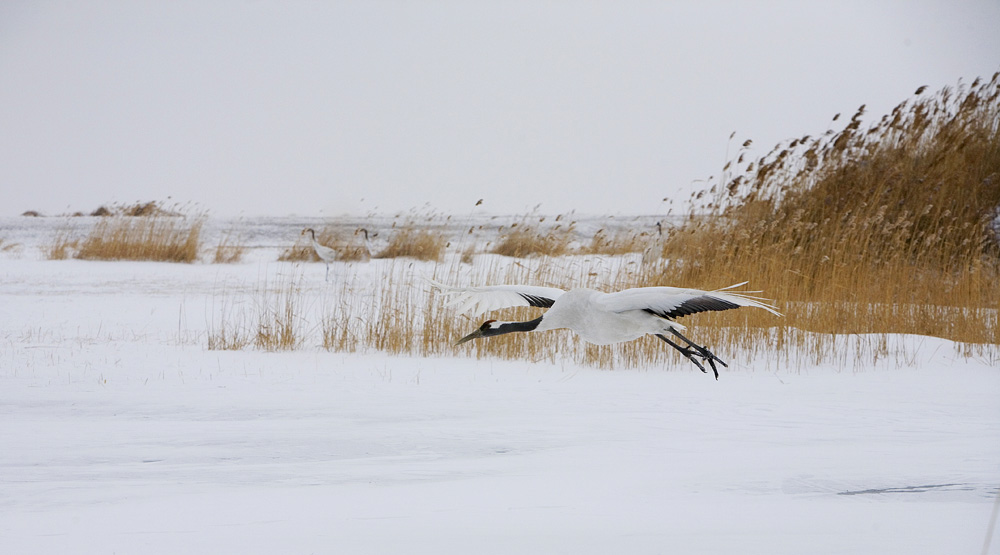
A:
[120,432]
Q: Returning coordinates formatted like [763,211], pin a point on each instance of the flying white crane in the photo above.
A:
[604,318]
[326,254]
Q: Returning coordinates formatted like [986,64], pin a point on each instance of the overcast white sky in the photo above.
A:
[322,108]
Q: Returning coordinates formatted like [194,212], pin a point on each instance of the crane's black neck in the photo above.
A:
[492,327]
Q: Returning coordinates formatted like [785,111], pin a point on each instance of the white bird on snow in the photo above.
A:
[365,253]
[604,318]
[326,254]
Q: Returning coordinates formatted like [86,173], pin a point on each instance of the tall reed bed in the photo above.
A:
[888,229]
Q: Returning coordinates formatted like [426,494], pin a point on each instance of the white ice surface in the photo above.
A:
[121,433]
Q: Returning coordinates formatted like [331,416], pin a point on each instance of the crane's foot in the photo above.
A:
[693,350]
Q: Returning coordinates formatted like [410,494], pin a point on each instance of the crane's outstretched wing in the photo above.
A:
[674,302]
[494,297]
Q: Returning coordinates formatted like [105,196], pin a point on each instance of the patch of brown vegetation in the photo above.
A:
[410,242]
[885,229]
[156,238]
[526,239]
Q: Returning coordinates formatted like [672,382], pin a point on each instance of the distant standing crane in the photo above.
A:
[326,254]
[605,318]
[366,252]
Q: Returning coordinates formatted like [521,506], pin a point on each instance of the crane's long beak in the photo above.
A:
[470,337]
[481,332]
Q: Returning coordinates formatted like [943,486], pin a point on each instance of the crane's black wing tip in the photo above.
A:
[535,300]
[704,303]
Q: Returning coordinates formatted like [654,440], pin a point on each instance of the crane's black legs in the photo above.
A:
[692,350]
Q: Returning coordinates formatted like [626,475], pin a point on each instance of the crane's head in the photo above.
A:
[308,230]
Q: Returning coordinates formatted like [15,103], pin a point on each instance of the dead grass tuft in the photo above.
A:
[277,322]
[156,238]
[620,242]
[409,241]
[62,247]
[229,250]
[523,240]
[8,247]
[270,320]
[139,210]
[230,330]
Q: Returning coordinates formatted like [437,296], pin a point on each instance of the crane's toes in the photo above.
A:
[715,370]
[690,356]
[710,356]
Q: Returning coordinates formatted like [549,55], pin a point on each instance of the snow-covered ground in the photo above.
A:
[120,432]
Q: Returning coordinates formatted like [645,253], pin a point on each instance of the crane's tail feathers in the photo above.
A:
[746,298]
[742,298]
[734,286]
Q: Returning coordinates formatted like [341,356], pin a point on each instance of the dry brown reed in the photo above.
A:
[409,241]
[61,247]
[619,242]
[8,247]
[269,319]
[157,238]
[229,329]
[278,319]
[527,239]
[885,229]
[139,210]
[229,250]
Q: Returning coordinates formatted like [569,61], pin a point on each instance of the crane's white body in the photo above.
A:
[366,246]
[594,317]
[326,254]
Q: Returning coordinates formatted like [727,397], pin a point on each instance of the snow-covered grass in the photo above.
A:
[121,432]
